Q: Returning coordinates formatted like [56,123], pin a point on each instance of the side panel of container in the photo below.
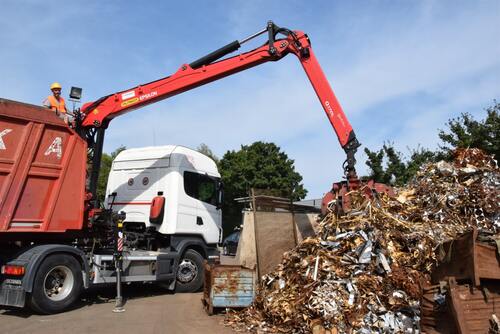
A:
[42,171]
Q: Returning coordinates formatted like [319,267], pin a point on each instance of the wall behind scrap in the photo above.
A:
[271,237]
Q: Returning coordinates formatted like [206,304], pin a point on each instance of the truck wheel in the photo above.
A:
[190,272]
[57,284]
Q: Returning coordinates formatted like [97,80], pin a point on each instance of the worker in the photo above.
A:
[56,101]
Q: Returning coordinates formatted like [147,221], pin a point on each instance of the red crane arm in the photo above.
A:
[203,71]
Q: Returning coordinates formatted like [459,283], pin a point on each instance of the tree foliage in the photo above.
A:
[465,131]
[387,165]
[261,166]
[204,149]
[106,161]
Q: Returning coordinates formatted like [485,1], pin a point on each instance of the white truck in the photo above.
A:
[171,196]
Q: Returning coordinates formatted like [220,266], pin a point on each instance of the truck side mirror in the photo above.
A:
[113,197]
[220,195]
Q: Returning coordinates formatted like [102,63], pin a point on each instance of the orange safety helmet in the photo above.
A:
[55,85]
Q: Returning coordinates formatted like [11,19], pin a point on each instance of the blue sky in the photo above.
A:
[400,69]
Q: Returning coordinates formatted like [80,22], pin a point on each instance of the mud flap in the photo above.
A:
[12,295]
[166,268]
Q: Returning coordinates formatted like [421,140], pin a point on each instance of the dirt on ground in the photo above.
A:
[148,309]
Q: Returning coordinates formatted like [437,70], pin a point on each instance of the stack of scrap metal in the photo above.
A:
[365,272]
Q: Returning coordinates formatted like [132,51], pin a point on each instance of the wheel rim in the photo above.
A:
[187,271]
[58,283]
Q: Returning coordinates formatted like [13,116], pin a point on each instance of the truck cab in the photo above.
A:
[187,181]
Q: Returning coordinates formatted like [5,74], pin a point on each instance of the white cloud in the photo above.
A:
[427,56]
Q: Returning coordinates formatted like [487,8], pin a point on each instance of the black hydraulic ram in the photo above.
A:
[219,53]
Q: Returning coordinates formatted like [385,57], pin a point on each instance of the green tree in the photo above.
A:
[260,166]
[395,166]
[106,161]
[375,162]
[465,131]
[389,166]
[204,149]
[418,157]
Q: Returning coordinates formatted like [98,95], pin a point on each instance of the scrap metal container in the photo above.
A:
[228,286]
[42,171]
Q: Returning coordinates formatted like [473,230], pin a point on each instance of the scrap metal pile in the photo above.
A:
[364,271]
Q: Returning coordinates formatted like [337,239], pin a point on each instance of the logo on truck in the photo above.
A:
[55,147]
[148,95]
[3,133]
[130,102]
[331,113]
[329,108]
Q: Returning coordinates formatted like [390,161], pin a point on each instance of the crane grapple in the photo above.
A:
[337,200]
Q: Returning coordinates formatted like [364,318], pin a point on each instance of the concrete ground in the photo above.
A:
[149,309]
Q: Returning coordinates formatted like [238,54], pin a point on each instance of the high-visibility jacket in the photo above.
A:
[52,103]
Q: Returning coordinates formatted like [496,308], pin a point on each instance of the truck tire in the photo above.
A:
[57,285]
[190,273]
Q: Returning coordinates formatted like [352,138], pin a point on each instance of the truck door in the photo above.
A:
[204,189]
[207,208]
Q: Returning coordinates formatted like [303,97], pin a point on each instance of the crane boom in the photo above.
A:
[205,70]
[94,117]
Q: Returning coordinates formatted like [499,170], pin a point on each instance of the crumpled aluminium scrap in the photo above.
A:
[363,271]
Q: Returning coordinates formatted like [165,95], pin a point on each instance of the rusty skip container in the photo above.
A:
[466,309]
[228,286]
[467,259]
[42,171]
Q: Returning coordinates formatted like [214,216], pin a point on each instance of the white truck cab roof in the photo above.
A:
[165,156]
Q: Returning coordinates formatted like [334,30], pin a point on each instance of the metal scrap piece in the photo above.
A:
[366,253]
[315,274]
[381,260]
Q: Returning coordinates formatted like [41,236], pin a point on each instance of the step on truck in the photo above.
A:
[57,238]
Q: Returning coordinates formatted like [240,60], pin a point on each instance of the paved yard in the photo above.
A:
[148,310]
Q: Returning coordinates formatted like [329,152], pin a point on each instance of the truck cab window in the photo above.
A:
[201,187]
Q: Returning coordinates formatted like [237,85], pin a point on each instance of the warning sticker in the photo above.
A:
[129,102]
[128,95]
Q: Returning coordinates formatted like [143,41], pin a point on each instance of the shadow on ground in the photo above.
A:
[98,295]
